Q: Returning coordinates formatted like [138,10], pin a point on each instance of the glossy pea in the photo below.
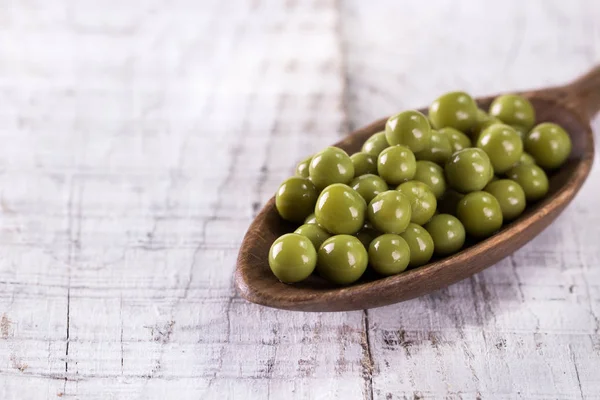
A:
[292,258]
[311,219]
[375,144]
[329,166]
[420,243]
[389,254]
[438,151]
[302,167]
[469,170]
[408,128]
[340,209]
[480,214]
[513,109]
[396,164]
[369,186]
[510,196]
[447,232]
[526,159]
[364,164]
[549,144]
[458,140]
[389,212]
[314,233]
[483,121]
[503,145]
[455,110]
[295,199]
[532,179]
[432,175]
[422,201]
[342,259]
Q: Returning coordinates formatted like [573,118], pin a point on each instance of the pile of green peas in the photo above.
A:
[417,189]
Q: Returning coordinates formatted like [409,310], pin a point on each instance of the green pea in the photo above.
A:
[340,209]
[367,234]
[311,219]
[532,179]
[292,258]
[342,259]
[439,150]
[420,243]
[314,233]
[549,144]
[447,232]
[302,167]
[396,164]
[375,144]
[432,175]
[422,201]
[332,165]
[513,109]
[510,196]
[363,164]
[389,212]
[408,128]
[503,145]
[447,204]
[526,159]
[369,186]
[295,199]
[484,120]
[520,130]
[480,213]
[458,140]
[469,170]
[389,254]
[455,110]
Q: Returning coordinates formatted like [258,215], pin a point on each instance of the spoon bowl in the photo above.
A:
[571,106]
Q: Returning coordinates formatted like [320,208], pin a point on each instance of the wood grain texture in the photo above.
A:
[140,138]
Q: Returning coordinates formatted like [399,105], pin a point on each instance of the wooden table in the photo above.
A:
[140,138]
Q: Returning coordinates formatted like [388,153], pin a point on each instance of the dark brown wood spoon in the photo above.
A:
[571,106]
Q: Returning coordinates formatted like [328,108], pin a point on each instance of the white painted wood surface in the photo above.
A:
[139,138]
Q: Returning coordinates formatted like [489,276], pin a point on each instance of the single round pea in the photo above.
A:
[409,128]
[364,164]
[455,110]
[510,196]
[447,232]
[367,234]
[375,144]
[420,243]
[549,144]
[396,164]
[331,165]
[458,140]
[389,212]
[438,151]
[422,201]
[513,109]
[469,170]
[447,204]
[503,145]
[342,259]
[340,209]
[314,233]
[292,258]
[532,179]
[432,175]
[480,213]
[302,167]
[369,186]
[311,219]
[389,254]
[526,159]
[295,199]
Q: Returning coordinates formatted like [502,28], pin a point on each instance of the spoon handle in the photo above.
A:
[584,93]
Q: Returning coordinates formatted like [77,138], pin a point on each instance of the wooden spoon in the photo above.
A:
[571,106]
